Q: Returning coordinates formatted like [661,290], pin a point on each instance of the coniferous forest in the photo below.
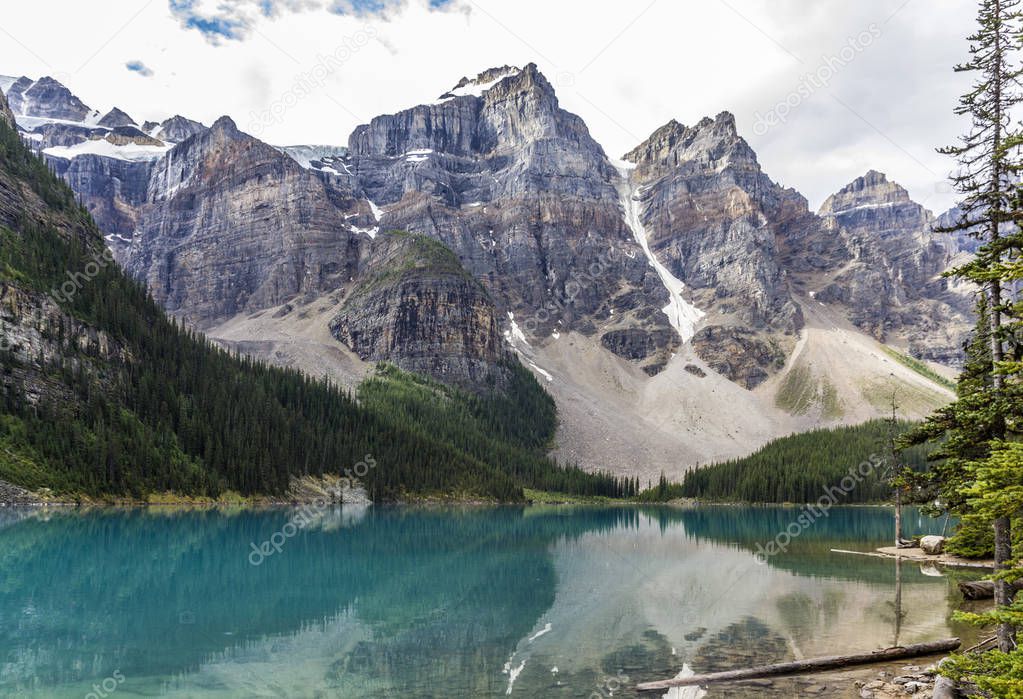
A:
[801,467]
[165,410]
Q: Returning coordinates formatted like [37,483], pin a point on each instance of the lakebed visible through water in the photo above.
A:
[441,602]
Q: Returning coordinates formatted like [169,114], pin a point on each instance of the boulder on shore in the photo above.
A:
[933,545]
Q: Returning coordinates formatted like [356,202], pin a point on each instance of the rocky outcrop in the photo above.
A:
[11,494]
[5,112]
[415,306]
[124,135]
[44,339]
[64,135]
[745,357]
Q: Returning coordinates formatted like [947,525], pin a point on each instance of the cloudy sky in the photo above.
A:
[823,90]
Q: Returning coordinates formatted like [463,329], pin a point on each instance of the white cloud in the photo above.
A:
[626,68]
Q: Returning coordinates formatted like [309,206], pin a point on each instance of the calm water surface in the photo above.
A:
[395,602]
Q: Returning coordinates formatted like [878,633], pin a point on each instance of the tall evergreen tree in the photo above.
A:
[988,157]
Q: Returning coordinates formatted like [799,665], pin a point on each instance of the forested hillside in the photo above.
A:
[102,394]
[506,435]
[800,468]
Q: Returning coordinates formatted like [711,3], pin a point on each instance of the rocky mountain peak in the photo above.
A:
[213,157]
[46,98]
[872,190]
[713,143]
[481,83]
[178,128]
[225,125]
[115,117]
[528,78]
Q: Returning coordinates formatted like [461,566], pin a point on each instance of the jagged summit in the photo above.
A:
[46,98]
[116,117]
[226,124]
[872,190]
[710,140]
[178,128]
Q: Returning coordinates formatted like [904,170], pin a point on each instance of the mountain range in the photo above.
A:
[679,305]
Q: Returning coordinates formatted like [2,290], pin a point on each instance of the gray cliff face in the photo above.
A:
[413,304]
[232,225]
[747,247]
[113,190]
[518,189]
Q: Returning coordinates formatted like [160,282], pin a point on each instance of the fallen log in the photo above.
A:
[977,646]
[985,589]
[796,667]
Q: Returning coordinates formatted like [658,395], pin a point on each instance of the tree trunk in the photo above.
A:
[1003,595]
[898,600]
[1003,531]
[832,662]
[898,517]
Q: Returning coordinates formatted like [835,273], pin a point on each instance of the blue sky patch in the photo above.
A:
[232,19]
[140,68]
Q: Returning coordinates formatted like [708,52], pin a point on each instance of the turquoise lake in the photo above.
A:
[446,603]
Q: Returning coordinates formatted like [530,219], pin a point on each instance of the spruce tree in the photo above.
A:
[988,158]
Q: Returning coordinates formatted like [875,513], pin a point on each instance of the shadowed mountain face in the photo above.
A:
[685,248]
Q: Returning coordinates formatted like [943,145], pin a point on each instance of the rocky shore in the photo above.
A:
[11,494]
[912,681]
[304,491]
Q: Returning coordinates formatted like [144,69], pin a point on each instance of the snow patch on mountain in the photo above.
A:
[516,332]
[861,207]
[682,315]
[107,149]
[305,155]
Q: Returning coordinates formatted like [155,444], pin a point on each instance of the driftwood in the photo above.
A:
[833,662]
[985,589]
